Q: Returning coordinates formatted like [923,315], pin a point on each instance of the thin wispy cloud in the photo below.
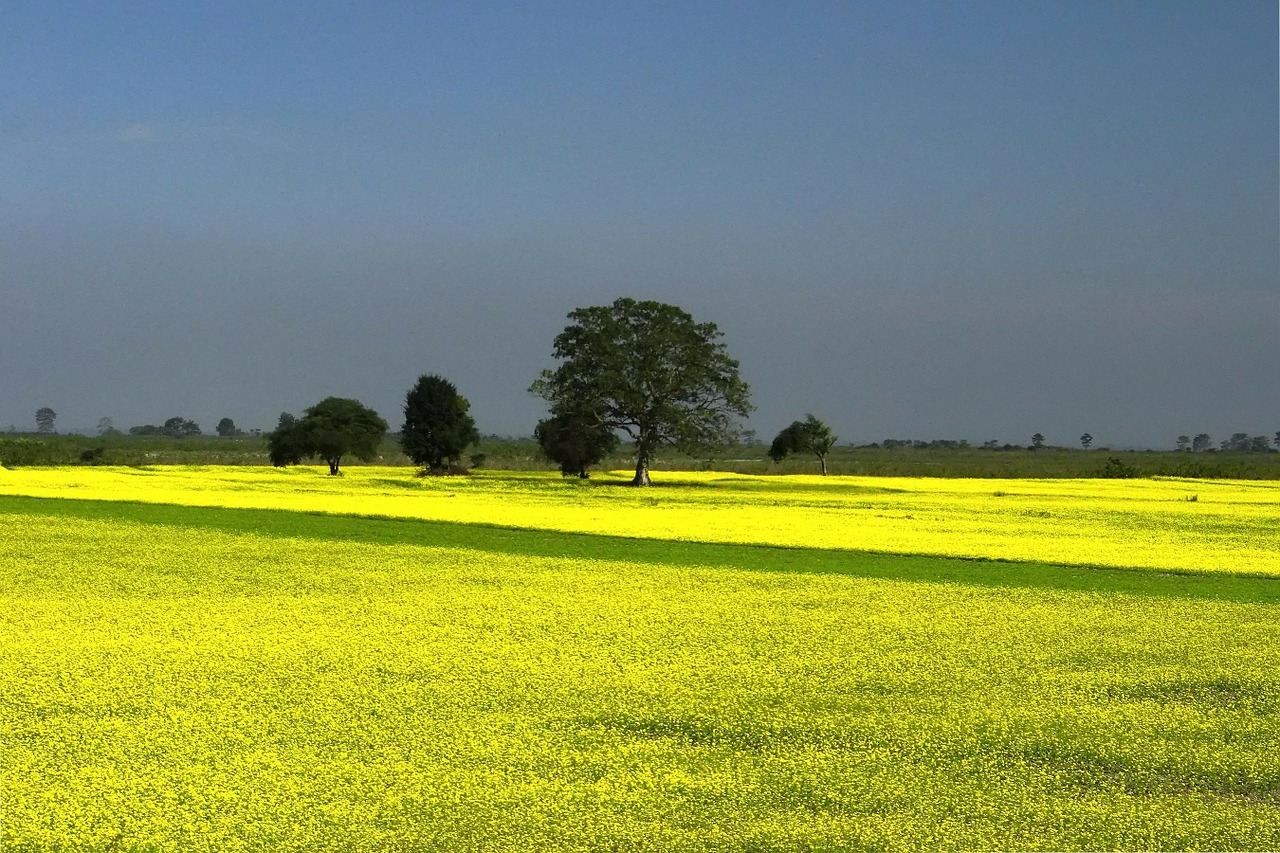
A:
[136,133]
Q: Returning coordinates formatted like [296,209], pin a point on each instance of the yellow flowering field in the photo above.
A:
[1226,526]
[258,660]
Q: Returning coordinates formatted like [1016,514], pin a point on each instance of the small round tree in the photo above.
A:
[437,425]
[575,441]
[331,429]
[286,444]
[807,436]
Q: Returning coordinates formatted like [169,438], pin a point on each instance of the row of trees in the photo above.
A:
[645,369]
[1238,442]
[642,369]
[175,427]
[437,429]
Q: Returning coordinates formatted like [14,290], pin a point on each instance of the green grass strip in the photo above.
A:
[543,543]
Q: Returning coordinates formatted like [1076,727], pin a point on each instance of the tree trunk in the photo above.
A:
[333,466]
[823,460]
[642,466]
[646,441]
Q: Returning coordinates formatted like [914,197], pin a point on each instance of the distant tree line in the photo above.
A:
[1239,442]
[918,444]
[175,427]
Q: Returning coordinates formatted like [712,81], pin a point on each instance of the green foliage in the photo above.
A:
[227,428]
[1037,441]
[808,436]
[937,458]
[175,427]
[333,428]
[1239,441]
[288,443]
[179,427]
[1086,440]
[52,450]
[1117,469]
[649,370]
[575,441]
[1201,442]
[45,417]
[1242,442]
[437,424]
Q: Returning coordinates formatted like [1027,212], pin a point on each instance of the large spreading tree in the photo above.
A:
[647,369]
[331,429]
[437,423]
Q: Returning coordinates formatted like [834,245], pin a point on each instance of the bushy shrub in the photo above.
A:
[1117,469]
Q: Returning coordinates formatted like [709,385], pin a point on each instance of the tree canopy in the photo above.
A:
[45,417]
[437,425]
[175,427]
[575,441]
[333,428]
[179,427]
[647,369]
[807,436]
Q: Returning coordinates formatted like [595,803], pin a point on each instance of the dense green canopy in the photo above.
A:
[647,369]
[333,428]
[437,423]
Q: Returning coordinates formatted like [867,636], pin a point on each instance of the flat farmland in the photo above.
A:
[251,659]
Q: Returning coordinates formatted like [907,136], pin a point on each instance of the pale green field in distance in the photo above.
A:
[239,677]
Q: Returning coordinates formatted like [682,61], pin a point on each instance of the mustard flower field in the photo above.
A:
[251,659]
[1179,524]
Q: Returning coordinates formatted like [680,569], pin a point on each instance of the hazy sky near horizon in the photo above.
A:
[930,220]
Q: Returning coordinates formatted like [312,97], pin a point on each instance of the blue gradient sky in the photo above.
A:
[974,220]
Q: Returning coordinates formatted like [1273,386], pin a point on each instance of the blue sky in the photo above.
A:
[914,219]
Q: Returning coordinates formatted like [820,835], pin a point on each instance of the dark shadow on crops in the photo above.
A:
[764,558]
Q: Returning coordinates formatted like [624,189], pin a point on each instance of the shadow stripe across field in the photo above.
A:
[590,546]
